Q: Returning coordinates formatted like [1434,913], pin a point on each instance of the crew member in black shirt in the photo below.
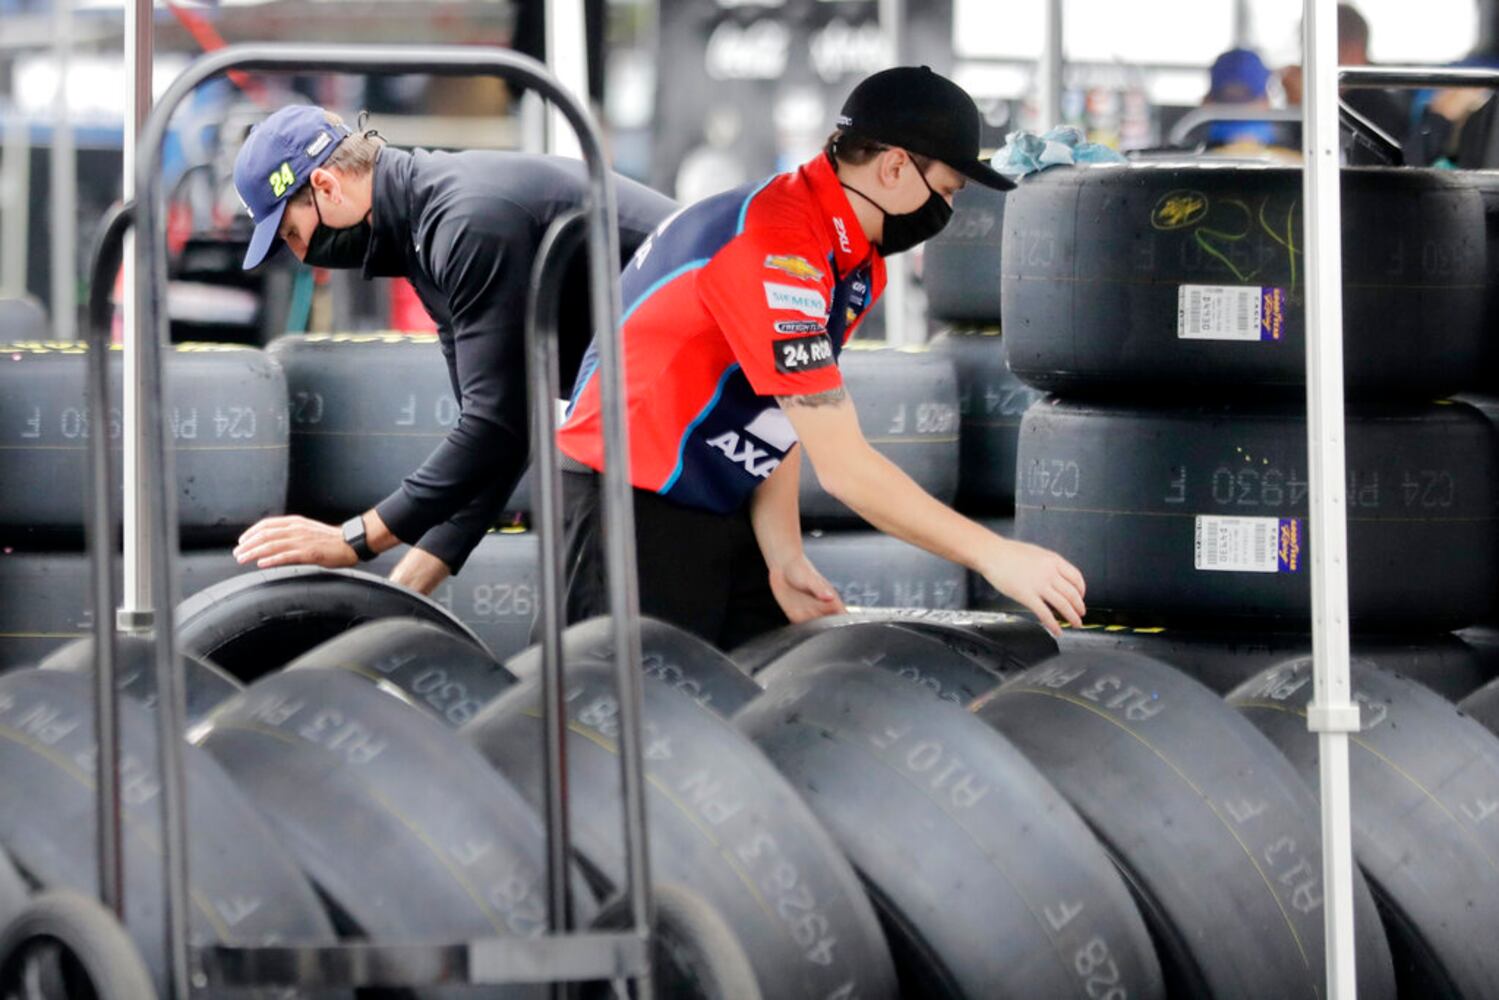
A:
[464,229]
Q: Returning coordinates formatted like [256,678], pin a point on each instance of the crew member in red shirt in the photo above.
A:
[735,312]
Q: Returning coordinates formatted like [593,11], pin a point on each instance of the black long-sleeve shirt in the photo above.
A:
[464,228]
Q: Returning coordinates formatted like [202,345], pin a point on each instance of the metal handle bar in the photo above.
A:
[1208,113]
[150,278]
[1415,77]
[1363,131]
[103,519]
[562,240]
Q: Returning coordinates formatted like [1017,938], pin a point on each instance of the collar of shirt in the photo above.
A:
[391,234]
[850,246]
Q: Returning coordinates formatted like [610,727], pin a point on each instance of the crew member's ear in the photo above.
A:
[326,182]
[893,164]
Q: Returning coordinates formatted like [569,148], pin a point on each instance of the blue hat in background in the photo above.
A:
[1238,76]
[277,158]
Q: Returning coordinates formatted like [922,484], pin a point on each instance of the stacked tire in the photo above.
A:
[351,446]
[226,408]
[961,274]
[1164,305]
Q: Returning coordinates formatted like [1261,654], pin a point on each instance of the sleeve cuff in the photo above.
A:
[452,544]
[402,517]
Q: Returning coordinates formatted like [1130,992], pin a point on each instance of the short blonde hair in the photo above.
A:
[354,156]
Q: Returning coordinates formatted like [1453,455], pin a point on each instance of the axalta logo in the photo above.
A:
[797,267]
[843,243]
[742,451]
[804,300]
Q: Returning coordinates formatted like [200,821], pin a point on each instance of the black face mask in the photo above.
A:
[337,248]
[904,231]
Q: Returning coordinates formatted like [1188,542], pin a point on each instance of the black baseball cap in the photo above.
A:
[921,112]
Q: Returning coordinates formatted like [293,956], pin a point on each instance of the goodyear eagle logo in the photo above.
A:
[797,267]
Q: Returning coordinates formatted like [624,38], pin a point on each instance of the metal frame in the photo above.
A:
[62,194]
[562,955]
[102,520]
[1332,713]
[140,50]
[1411,77]
[1360,130]
[563,239]
[565,30]
[1226,113]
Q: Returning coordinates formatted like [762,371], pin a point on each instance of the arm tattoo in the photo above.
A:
[830,398]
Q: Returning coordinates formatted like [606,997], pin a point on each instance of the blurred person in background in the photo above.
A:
[1389,110]
[464,228]
[1240,79]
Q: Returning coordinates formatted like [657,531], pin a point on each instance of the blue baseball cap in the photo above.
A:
[278,157]
[1238,76]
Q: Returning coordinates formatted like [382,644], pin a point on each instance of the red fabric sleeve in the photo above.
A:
[769,295]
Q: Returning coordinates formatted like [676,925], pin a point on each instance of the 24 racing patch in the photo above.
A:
[797,267]
[803,354]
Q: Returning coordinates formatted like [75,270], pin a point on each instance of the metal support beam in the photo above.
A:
[1242,21]
[1332,713]
[899,330]
[1049,70]
[567,58]
[1381,77]
[138,599]
[15,203]
[63,189]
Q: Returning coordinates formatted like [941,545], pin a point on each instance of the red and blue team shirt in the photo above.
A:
[737,299]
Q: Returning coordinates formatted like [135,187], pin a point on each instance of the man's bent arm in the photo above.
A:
[775,512]
[483,265]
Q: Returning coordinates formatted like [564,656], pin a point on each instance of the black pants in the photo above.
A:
[698,570]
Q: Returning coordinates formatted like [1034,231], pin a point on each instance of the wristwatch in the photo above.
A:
[353,531]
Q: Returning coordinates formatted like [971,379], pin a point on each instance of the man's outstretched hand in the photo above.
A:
[802,592]
[294,540]
[1040,580]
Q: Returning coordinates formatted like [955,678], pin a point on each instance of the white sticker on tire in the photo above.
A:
[1247,544]
[1228,312]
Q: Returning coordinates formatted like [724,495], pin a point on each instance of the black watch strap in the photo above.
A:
[353,531]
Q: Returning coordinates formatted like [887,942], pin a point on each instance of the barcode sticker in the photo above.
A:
[1228,312]
[1247,544]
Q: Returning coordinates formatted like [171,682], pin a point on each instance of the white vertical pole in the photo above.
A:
[63,221]
[139,45]
[1241,24]
[1049,70]
[899,330]
[567,58]
[15,203]
[1332,713]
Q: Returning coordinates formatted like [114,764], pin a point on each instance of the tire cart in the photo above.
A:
[563,954]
